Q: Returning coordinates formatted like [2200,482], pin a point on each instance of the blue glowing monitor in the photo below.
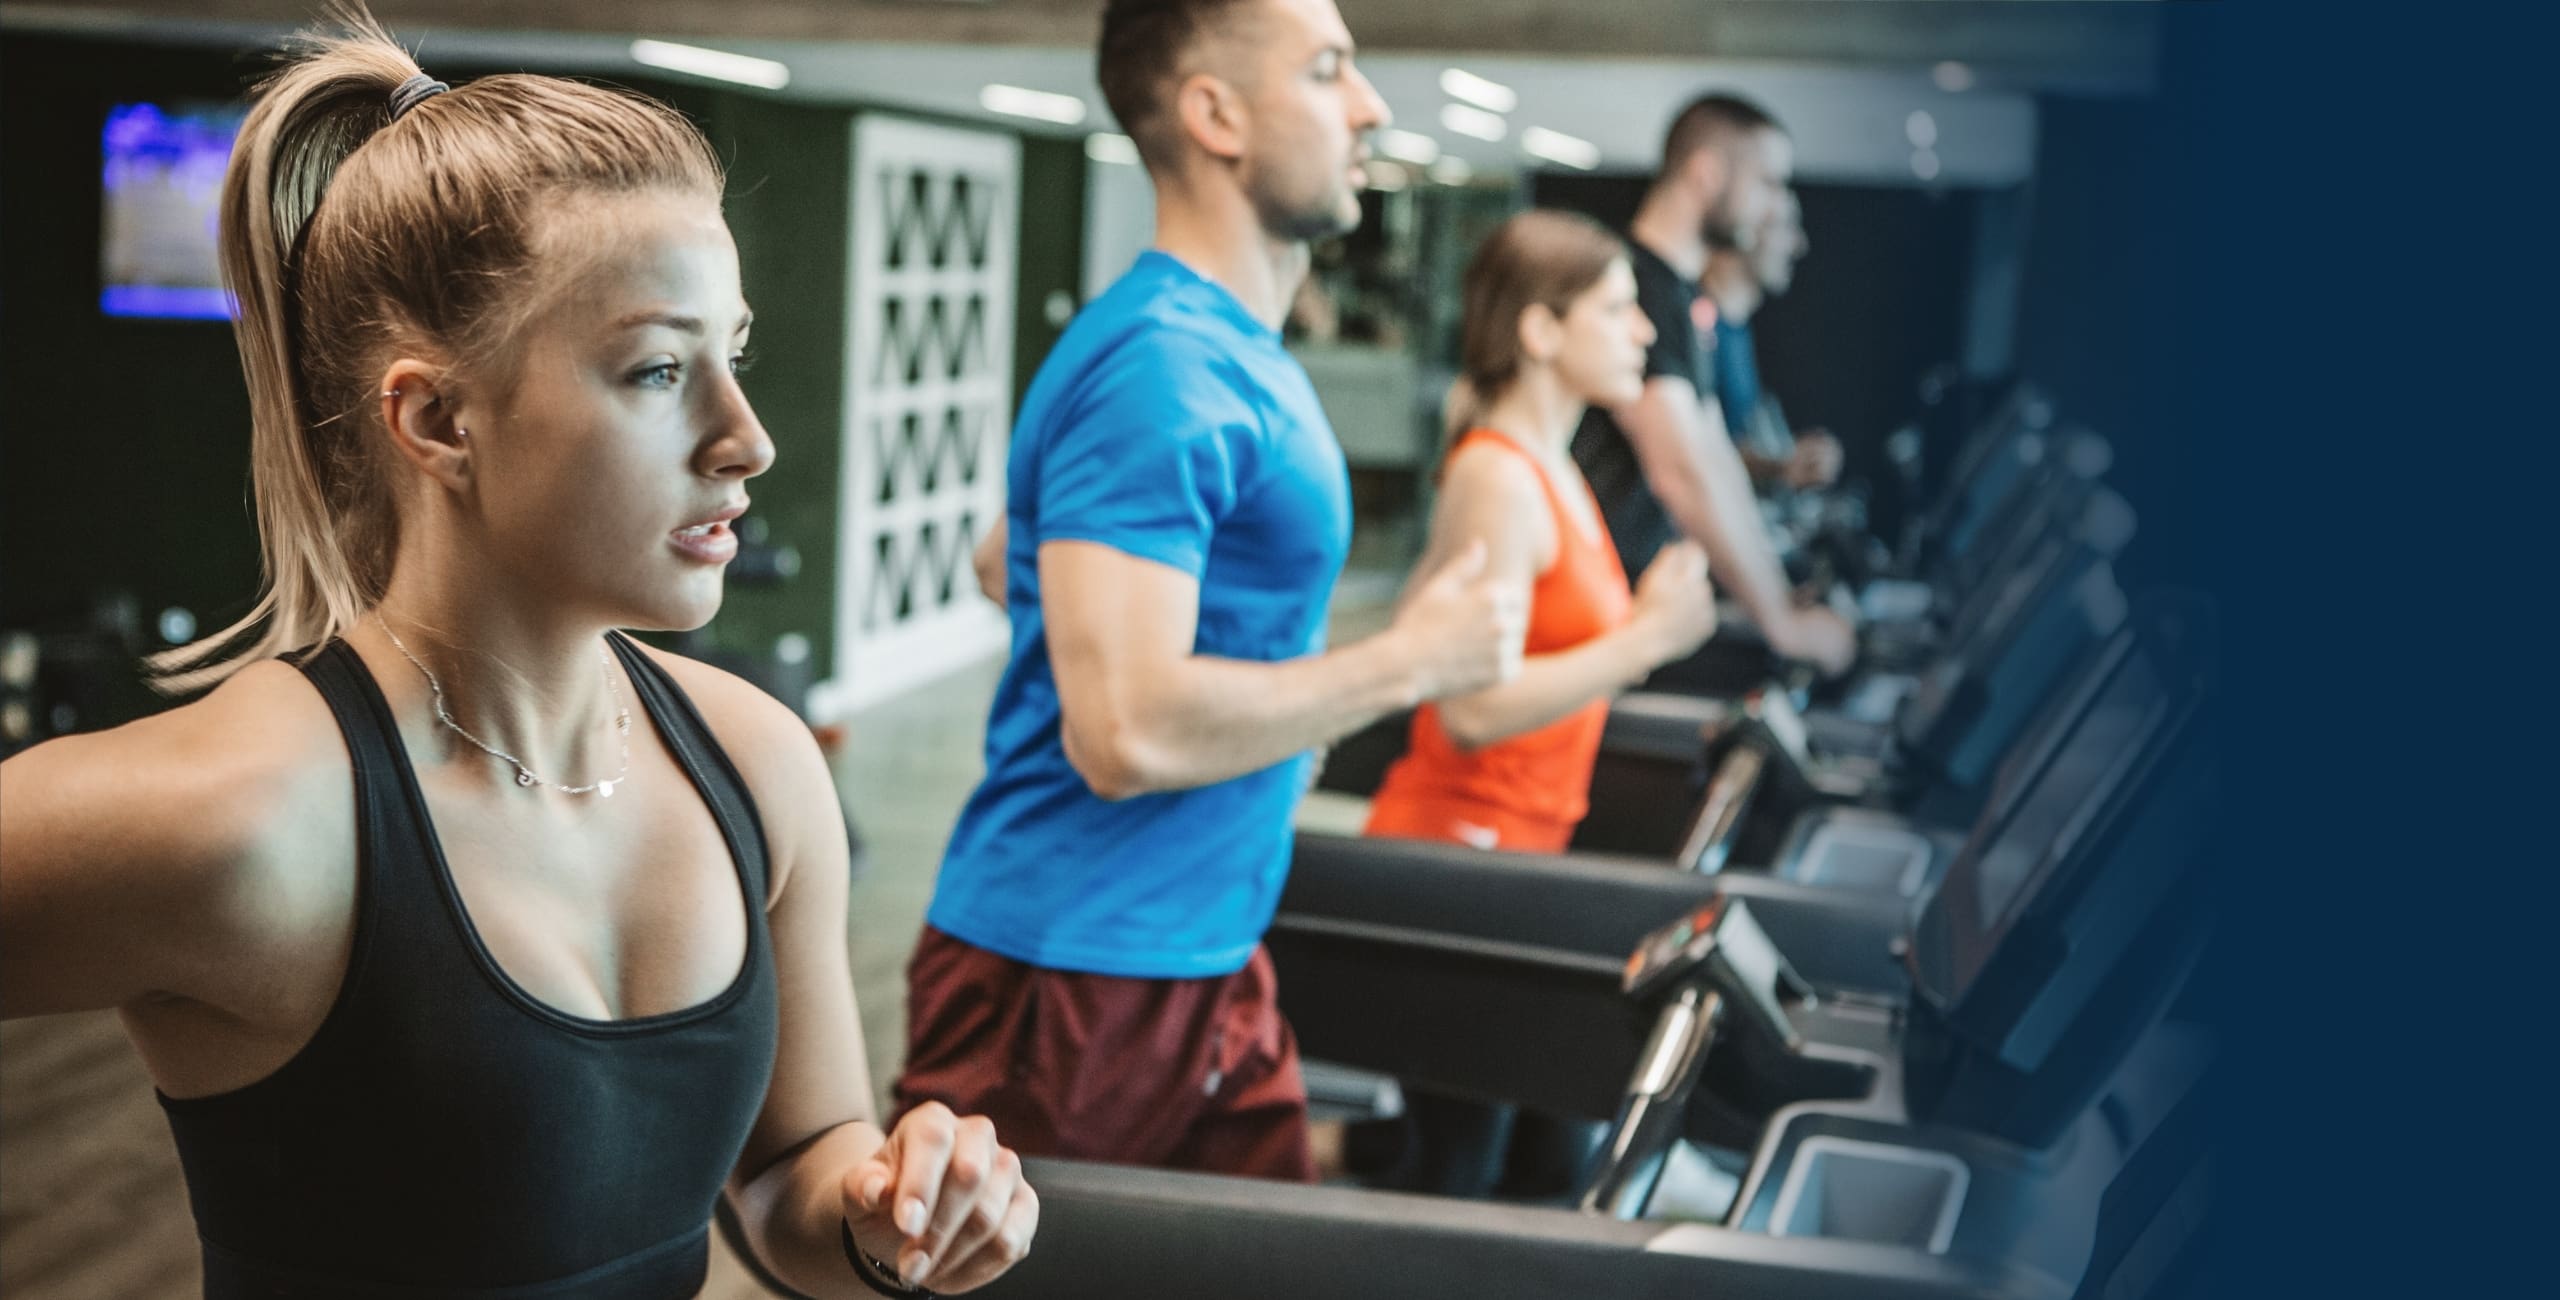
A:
[163,187]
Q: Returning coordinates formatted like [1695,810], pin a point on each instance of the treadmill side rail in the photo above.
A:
[1113,1231]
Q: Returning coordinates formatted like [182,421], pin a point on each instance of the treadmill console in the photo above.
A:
[1721,945]
[1672,951]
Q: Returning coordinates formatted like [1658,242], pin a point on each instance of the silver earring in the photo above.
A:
[460,432]
[391,392]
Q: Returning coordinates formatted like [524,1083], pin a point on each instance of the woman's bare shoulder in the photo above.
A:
[227,779]
[220,825]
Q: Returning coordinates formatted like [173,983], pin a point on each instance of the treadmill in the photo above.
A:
[1821,797]
[2005,506]
[2018,470]
[1761,767]
[1954,1134]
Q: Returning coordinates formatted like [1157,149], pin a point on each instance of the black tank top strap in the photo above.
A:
[702,758]
[390,838]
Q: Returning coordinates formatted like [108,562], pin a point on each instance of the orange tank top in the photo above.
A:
[1524,792]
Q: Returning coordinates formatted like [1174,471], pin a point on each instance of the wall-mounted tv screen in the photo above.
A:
[162,188]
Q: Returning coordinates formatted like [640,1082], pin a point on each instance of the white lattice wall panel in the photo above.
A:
[928,398]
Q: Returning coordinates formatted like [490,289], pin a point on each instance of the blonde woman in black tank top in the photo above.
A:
[473,947]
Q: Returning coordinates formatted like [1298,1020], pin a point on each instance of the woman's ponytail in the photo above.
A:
[309,483]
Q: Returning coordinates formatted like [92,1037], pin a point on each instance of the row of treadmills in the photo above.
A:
[1912,945]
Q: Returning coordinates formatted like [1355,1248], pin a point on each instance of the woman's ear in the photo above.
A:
[421,409]
[1541,333]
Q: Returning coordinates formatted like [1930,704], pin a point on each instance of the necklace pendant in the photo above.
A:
[524,778]
[604,789]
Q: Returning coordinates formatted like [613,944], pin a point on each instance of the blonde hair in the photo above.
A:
[346,234]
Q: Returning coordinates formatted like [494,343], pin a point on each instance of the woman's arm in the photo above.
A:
[1494,497]
[816,1157]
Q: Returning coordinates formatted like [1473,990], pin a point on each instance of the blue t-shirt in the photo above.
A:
[1737,367]
[1168,424]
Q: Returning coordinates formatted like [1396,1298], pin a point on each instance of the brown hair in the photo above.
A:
[1539,258]
[346,234]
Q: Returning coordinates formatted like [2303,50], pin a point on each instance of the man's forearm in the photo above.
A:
[1717,509]
[1765,471]
[1210,720]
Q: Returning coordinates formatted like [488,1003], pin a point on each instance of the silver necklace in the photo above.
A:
[524,775]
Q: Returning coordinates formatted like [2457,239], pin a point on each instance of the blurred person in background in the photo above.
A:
[1743,274]
[1550,325]
[1664,465]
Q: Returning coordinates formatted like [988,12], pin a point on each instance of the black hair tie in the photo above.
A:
[413,92]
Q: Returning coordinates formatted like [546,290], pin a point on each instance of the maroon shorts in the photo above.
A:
[1195,1074]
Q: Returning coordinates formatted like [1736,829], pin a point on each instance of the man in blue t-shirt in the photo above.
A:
[1091,976]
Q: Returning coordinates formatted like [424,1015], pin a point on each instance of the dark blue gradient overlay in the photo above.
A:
[2359,326]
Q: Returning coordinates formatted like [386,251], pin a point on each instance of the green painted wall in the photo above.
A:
[1052,228]
[788,171]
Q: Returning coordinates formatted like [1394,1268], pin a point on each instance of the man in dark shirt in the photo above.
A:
[1664,465]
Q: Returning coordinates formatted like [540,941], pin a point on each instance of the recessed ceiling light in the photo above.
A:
[1952,77]
[719,65]
[1924,164]
[1452,171]
[1473,122]
[1386,176]
[1557,147]
[1457,83]
[1038,105]
[1104,147]
[1922,128]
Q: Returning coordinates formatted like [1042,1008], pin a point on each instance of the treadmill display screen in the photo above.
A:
[2033,664]
[2049,816]
[1989,488]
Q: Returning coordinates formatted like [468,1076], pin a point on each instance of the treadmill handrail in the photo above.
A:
[1737,778]
[1130,1231]
[1396,889]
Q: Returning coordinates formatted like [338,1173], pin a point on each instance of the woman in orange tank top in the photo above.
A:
[1551,326]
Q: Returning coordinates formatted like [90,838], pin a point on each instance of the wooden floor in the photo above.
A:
[91,1203]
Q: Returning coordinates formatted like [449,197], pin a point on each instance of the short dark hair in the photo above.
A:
[1712,119]
[1139,56]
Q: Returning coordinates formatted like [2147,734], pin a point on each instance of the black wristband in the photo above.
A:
[874,1274]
